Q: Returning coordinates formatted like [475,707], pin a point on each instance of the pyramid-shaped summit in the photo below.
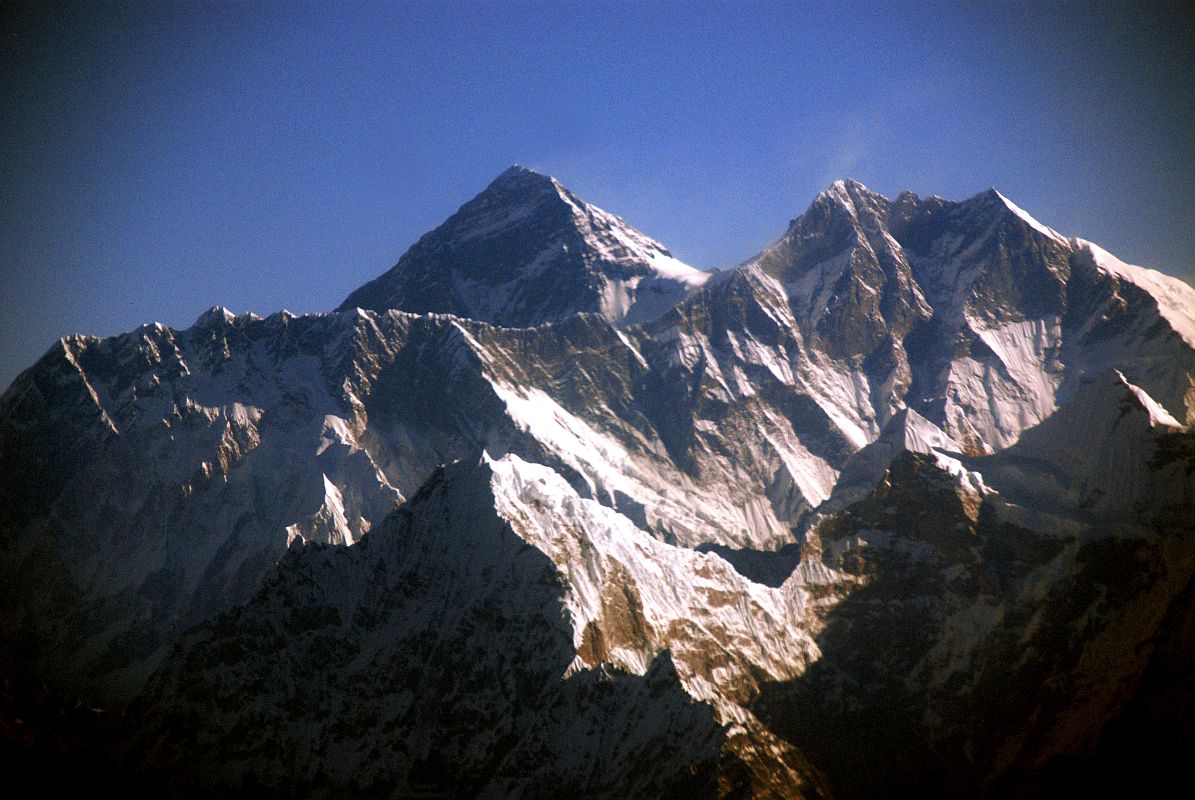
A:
[526,251]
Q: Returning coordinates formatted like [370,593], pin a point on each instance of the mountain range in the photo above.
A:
[902,505]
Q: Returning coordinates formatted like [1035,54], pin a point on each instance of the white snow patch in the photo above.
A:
[577,444]
[335,431]
[814,288]
[674,269]
[922,436]
[688,598]
[1158,416]
[1031,222]
[838,393]
[965,477]
[622,337]
[1176,300]
[1028,349]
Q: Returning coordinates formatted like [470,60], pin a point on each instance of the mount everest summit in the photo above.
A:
[905,504]
[526,251]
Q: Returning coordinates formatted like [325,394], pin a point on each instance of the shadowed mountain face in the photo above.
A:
[903,504]
[345,660]
[527,251]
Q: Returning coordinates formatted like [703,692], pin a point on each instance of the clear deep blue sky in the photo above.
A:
[162,158]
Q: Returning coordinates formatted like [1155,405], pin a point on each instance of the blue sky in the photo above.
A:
[162,158]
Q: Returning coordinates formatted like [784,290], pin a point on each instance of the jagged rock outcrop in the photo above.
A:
[498,635]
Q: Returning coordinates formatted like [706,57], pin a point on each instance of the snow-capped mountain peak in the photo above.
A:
[1028,219]
[847,191]
[527,251]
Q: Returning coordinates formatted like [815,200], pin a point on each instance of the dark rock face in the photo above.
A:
[527,251]
[998,659]
[428,659]
[904,505]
